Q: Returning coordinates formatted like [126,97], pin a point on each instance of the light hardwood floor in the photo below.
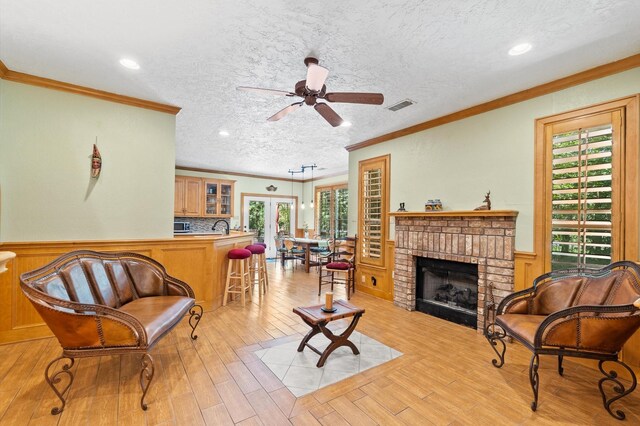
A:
[444,377]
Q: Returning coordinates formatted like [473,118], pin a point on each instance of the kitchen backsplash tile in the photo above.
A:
[202,224]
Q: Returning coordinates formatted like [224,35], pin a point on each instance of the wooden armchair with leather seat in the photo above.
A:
[585,313]
[107,304]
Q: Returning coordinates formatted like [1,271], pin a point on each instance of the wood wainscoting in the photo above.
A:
[200,262]
[527,268]
[378,280]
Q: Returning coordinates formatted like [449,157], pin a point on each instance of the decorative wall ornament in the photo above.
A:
[96,162]
[486,204]
[271,188]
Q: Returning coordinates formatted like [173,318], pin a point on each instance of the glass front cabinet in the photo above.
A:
[218,198]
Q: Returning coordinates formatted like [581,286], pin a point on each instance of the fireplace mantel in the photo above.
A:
[457,213]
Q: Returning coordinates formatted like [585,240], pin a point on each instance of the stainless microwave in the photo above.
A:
[181,227]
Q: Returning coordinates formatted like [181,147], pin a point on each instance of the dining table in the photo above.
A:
[306,243]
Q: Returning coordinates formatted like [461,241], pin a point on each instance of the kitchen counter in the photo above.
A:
[215,236]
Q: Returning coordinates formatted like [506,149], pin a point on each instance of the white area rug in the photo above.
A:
[298,371]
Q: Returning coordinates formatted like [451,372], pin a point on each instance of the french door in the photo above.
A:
[268,217]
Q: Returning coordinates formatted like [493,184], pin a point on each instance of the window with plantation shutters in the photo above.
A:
[332,211]
[581,206]
[589,175]
[373,188]
[341,212]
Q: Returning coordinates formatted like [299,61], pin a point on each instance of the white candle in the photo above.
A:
[328,304]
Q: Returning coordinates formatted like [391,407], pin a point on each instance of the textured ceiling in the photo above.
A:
[445,55]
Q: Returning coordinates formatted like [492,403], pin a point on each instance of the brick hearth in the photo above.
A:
[482,237]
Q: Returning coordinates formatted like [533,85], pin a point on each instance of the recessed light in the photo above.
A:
[129,63]
[223,133]
[346,124]
[519,49]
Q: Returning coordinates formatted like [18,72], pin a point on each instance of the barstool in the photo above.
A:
[258,267]
[238,271]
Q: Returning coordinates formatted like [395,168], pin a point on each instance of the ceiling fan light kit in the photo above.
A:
[313,89]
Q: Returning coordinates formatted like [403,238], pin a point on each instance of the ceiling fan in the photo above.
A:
[313,89]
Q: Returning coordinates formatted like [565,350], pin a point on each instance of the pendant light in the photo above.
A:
[302,205]
[312,191]
[293,206]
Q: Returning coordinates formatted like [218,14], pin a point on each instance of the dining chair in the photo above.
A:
[292,252]
[341,267]
[320,254]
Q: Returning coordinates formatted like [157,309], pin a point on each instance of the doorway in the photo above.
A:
[268,217]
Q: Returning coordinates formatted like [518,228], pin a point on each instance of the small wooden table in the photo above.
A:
[315,318]
[306,243]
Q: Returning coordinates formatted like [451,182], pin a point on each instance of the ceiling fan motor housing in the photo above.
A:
[309,95]
[310,60]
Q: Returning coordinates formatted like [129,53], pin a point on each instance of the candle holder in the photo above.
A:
[329,311]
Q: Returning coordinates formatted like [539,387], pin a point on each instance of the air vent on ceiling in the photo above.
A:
[401,104]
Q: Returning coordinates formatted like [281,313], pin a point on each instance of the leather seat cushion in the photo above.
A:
[524,326]
[158,314]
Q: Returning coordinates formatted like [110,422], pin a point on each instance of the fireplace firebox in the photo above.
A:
[447,290]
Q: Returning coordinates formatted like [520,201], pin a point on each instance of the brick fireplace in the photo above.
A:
[485,238]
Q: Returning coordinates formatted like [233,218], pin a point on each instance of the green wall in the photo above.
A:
[46,140]
[460,161]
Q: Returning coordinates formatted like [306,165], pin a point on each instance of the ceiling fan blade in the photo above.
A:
[316,76]
[329,114]
[284,111]
[265,91]
[356,98]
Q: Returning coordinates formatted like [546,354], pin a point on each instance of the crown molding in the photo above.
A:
[534,92]
[20,77]
[222,172]
[317,178]
[3,70]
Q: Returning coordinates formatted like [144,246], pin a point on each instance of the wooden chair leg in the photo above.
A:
[226,287]
[266,273]
[243,289]
[247,287]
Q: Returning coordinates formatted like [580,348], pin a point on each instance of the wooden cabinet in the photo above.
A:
[188,197]
[218,198]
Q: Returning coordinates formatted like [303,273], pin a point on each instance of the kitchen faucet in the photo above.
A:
[226,231]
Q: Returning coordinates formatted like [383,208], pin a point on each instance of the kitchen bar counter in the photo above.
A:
[221,244]
[214,235]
